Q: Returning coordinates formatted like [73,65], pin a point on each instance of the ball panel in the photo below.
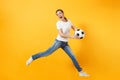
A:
[77,34]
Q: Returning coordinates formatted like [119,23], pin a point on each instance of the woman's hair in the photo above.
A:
[62,12]
[59,10]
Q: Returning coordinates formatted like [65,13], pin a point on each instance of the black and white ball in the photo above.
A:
[80,33]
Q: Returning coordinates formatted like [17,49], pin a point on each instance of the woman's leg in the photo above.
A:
[54,47]
[71,55]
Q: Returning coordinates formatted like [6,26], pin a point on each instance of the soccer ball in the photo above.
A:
[80,33]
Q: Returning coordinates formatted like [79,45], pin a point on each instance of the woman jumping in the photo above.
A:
[63,25]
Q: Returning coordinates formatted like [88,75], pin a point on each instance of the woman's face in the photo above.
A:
[60,14]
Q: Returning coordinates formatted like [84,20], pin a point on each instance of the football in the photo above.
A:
[80,33]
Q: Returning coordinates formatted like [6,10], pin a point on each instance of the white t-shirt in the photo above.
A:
[65,26]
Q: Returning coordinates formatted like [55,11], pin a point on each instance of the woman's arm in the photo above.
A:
[74,28]
[60,32]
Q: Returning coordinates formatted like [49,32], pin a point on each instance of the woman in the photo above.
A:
[63,25]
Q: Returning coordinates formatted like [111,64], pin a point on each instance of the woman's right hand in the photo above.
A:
[75,37]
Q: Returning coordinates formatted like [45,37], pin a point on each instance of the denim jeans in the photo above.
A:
[59,44]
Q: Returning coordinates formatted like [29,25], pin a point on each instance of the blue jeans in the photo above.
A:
[59,44]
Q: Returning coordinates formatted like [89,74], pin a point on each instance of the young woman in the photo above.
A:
[63,25]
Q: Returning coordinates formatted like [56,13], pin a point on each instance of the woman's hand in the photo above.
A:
[75,37]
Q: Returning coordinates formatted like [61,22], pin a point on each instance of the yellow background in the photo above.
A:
[29,26]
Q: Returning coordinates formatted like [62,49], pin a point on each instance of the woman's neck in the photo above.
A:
[64,19]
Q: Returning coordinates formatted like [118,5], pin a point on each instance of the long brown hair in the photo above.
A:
[62,12]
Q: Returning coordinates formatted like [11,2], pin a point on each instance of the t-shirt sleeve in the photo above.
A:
[58,25]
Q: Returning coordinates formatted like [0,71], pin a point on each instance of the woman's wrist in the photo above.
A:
[72,37]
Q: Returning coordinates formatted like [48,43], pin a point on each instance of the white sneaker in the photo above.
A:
[83,74]
[29,61]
